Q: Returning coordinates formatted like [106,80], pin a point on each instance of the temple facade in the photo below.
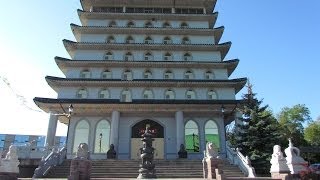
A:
[144,63]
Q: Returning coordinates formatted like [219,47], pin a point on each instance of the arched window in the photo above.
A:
[112,24]
[82,93]
[85,74]
[148,24]
[192,139]
[169,94]
[184,25]
[129,40]
[126,96]
[104,94]
[209,75]
[102,137]
[167,40]
[81,134]
[110,39]
[147,74]
[187,57]
[212,134]
[148,40]
[190,94]
[166,25]
[167,57]
[147,94]
[148,56]
[106,74]
[212,94]
[188,75]
[127,75]
[128,56]
[185,40]
[130,24]
[168,75]
[108,56]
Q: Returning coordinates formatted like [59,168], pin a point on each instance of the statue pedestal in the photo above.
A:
[9,169]
[282,175]
[80,169]
[8,176]
[210,166]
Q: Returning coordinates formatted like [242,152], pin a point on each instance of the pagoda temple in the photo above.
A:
[144,63]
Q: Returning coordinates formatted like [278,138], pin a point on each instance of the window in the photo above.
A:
[167,40]
[190,94]
[108,56]
[212,134]
[106,74]
[185,40]
[128,56]
[127,75]
[169,94]
[184,25]
[130,24]
[102,137]
[129,40]
[112,24]
[212,94]
[104,94]
[209,75]
[110,39]
[166,25]
[85,74]
[192,139]
[187,57]
[147,94]
[21,140]
[188,75]
[82,94]
[167,57]
[148,25]
[2,141]
[168,75]
[126,96]
[81,134]
[148,40]
[147,74]
[148,56]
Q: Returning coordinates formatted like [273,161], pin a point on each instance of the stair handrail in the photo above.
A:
[243,162]
[56,157]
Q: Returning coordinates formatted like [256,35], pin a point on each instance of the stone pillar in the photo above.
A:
[222,134]
[180,129]
[204,11]
[114,135]
[52,128]
[173,10]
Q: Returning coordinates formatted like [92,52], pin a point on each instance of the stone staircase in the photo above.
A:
[129,169]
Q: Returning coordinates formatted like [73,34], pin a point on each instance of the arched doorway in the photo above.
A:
[158,134]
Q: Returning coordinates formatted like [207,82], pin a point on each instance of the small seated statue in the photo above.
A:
[182,152]
[210,151]
[83,151]
[278,162]
[111,153]
[10,162]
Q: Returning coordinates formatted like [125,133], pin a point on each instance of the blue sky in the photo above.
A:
[276,41]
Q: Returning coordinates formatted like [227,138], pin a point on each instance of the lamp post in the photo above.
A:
[100,138]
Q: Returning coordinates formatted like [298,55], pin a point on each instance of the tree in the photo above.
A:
[291,121]
[312,133]
[257,132]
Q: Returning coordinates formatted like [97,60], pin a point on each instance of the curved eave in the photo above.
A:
[64,64]
[84,15]
[72,46]
[56,82]
[208,4]
[78,30]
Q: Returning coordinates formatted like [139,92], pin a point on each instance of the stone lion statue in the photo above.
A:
[83,151]
[211,150]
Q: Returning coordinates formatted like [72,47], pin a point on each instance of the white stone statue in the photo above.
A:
[211,151]
[10,162]
[83,151]
[295,162]
[278,162]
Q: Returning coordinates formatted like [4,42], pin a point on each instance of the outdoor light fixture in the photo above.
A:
[223,109]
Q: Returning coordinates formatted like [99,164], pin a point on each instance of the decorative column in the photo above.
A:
[51,133]
[114,135]
[180,129]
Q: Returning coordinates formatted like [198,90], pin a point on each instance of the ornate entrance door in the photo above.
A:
[158,135]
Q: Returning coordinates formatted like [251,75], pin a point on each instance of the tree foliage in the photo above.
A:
[312,133]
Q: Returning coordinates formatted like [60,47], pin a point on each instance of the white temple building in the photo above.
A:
[138,63]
